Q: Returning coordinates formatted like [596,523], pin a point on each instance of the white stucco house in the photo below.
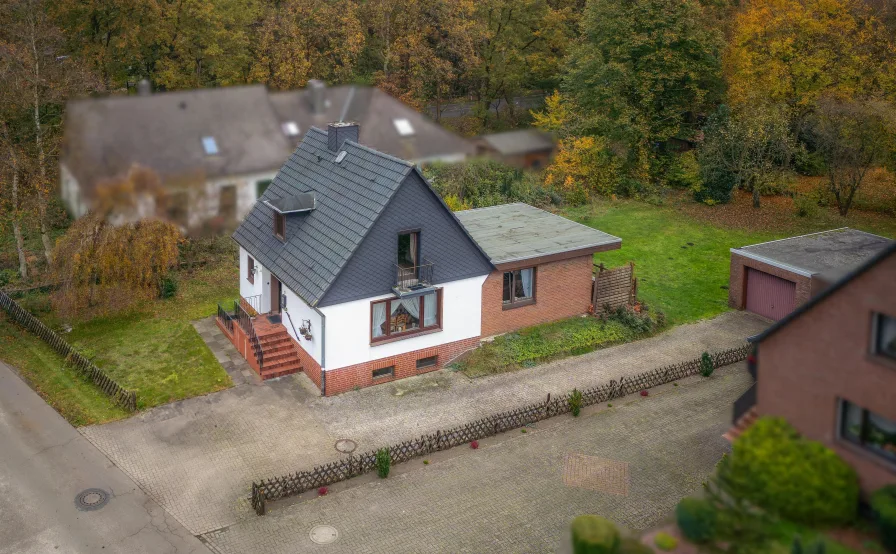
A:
[354,271]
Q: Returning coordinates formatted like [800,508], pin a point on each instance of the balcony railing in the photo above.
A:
[226,319]
[413,279]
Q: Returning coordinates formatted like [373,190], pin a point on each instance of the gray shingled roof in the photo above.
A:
[349,195]
[830,252]
[521,141]
[514,232]
[375,112]
[163,131]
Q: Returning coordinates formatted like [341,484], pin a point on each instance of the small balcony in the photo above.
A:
[413,279]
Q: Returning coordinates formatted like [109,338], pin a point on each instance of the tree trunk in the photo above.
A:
[755,195]
[16,216]
[41,157]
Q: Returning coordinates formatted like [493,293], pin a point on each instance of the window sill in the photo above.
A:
[520,304]
[881,360]
[866,454]
[403,336]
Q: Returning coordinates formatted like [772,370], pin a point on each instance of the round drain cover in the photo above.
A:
[91,499]
[324,534]
[346,446]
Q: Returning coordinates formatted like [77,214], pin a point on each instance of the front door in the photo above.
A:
[276,291]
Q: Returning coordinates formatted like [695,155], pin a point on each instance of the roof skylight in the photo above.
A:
[341,156]
[290,129]
[403,126]
[210,146]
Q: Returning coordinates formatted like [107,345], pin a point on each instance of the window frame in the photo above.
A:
[434,358]
[861,441]
[388,375]
[514,303]
[877,319]
[390,336]
[279,225]
[250,273]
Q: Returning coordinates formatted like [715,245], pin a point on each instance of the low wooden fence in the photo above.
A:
[121,396]
[354,465]
[614,287]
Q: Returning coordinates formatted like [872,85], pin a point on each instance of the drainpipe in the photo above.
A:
[323,351]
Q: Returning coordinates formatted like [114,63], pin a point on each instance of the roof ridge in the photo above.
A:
[167,93]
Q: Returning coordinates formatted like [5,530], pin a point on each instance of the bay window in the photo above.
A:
[394,317]
[519,287]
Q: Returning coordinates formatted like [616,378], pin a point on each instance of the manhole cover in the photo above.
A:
[91,499]
[323,534]
[346,446]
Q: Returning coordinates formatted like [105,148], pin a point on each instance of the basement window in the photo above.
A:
[384,372]
[429,361]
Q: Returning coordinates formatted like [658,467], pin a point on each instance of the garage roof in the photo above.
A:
[516,232]
[830,252]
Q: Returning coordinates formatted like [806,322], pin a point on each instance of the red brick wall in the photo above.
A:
[823,355]
[738,280]
[361,375]
[309,364]
[562,289]
[241,342]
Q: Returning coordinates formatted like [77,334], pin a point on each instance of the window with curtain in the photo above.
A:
[519,287]
[874,433]
[250,269]
[404,316]
[885,339]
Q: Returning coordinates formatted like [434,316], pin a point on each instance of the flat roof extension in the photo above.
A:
[515,232]
[828,252]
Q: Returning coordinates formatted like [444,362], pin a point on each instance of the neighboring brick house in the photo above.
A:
[773,278]
[353,270]
[829,368]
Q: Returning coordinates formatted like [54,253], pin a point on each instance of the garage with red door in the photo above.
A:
[773,278]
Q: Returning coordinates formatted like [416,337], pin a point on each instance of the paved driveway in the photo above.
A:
[199,456]
[519,492]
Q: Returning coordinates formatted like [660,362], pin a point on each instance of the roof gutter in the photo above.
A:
[323,350]
[773,263]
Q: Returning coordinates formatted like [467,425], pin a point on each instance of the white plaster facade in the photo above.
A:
[340,334]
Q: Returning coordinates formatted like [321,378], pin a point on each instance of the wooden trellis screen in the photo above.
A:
[614,287]
[340,470]
[121,396]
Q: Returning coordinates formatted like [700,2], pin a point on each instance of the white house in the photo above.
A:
[353,270]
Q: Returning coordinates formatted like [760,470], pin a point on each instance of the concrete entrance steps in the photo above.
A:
[280,356]
[742,424]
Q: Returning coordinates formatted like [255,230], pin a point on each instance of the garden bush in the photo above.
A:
[792,477]
[665,542]
[631,545]
[168,286]
[575,402]
[815,547]
[883,507]
[594,535]
[383,462]
[697,519]
[706,367]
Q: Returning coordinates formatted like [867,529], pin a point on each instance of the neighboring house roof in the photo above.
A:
[349,196]
[828,252]
[881,255]
[521,141]
[515,232]
[387,124]
[212,132]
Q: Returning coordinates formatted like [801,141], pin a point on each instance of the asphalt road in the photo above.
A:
[45,463]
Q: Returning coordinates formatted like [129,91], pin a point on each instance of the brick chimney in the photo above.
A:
[337,133]
[317,96]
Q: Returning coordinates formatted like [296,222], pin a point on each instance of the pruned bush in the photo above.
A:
[706,365]
[168,286]
[594,535]
[665,542]
[697,519]
[575,402]
[883,507]
[801,480]
[383,462]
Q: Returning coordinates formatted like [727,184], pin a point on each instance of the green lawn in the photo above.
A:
[152,349]
[533,345]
